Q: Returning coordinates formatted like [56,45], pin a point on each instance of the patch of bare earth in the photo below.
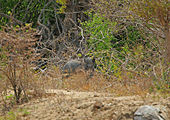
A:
[71,105]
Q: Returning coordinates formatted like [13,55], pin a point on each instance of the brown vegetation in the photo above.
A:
[136,70]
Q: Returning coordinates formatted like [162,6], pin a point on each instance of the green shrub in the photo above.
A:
[111,46]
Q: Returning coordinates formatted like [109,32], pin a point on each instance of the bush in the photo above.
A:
[108,44]
[15,57]
[125,50]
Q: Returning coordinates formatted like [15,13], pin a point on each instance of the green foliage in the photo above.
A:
[10,116]
[100,33]
[134,36]
[6,7]
[107,65]
[63,5]
[107,43]
[15,114]
[100,42]
[9,96]
[63,2]
[23,111]
[24,11]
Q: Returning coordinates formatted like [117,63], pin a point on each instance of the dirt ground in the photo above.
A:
[72,105]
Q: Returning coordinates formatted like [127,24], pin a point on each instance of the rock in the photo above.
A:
[147,112]
[96,95]
[83,106]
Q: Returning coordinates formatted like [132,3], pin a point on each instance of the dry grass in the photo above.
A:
[17,74]
[127,85]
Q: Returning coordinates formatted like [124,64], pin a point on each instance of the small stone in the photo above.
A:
[83,106]
[96,96]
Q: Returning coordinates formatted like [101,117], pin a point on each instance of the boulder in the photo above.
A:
[147,112]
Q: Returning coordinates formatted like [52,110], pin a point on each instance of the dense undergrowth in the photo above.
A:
[129,60]
[112,73]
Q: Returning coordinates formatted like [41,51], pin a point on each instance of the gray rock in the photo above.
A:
[147,112]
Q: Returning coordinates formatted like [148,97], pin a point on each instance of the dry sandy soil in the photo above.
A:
[72,105]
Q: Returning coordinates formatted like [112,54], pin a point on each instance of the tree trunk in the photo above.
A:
[74,11]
